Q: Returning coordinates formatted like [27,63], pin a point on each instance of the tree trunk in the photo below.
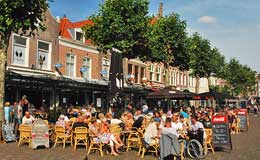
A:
[2,82]
[197,87]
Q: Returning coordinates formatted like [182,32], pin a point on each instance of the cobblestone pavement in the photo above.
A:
[245,147]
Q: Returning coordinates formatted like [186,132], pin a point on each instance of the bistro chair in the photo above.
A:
[80,137]
[152,148]
[95,144]
[208,140]
[25,134]
[134,140]
[62,137]
[237,127]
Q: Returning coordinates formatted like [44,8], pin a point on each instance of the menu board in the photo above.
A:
[242,115]
[220,131]
[40,134]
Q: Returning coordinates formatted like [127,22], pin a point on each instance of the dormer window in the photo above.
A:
[79,36]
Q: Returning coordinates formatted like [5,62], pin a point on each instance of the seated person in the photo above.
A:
[196,130]
[128,120]
[102,135]
[80,123]
[64,123]
[207,122]
[28,119]
[139,122]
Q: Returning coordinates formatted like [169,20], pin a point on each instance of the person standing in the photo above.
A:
[17,115]
[24,104]
[7,111]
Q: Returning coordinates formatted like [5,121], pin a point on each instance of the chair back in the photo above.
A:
[60,131]
[116,129]
[80,132]
[25,130]
[208,132]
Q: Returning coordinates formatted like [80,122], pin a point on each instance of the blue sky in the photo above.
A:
[233,26]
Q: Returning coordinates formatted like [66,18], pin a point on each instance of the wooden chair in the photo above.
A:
[208,140]
[95,144]
[61,136]
[237,126]
[152,148]
[134,140]
[80,137]
[25,134]
[46,121]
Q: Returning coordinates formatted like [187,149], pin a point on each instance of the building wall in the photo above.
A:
[96,58]
[49,35]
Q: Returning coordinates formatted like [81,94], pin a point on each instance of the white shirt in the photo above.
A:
[115,121]
[196,126]
[169,130]
[28,121]
[177,127]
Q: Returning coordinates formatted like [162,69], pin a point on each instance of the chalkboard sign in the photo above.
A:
[242,115]
[220,131]
[40,134]
[8,132]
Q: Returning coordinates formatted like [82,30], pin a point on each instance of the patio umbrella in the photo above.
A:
[170,94]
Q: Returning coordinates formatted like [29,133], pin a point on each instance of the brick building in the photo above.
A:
[82,63]
[30,65]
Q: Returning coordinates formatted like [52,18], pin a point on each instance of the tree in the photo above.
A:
[167,39]
[240,77]
[19,17]
[216,64]
[199,58]
[120,24]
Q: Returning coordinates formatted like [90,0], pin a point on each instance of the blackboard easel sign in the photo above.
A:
[220,132]
[242,115]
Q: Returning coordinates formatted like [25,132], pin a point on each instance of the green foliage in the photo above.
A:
[21,15]
[240,77]
[168,41]
[216,63]
[199,56]
[120,24]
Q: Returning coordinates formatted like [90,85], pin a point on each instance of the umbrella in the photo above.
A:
[169,94]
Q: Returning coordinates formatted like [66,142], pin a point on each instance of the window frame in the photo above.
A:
[89,67]
[49,54]
[26,58]
[74,63]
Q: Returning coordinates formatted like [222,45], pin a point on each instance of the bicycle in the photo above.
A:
[195,146]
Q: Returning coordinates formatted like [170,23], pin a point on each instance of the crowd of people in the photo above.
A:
[155,122]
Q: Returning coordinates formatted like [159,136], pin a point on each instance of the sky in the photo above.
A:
[233,26]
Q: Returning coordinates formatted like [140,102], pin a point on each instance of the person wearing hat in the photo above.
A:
[7,111]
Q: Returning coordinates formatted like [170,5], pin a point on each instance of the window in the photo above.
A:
[70,65]
[130,69]
[20,51]
[181,79]
[151,72]
[79,36]
[87,68]
[184,79]
[136,74]
[43,56]
[172,78]
[178,79]
[158,74]
[142,72]
[164,76]
[105,68]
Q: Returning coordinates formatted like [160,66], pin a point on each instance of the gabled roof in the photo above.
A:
[66,24]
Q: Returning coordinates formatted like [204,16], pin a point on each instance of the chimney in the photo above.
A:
[160,13]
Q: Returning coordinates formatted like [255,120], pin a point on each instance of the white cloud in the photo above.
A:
[207,20]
